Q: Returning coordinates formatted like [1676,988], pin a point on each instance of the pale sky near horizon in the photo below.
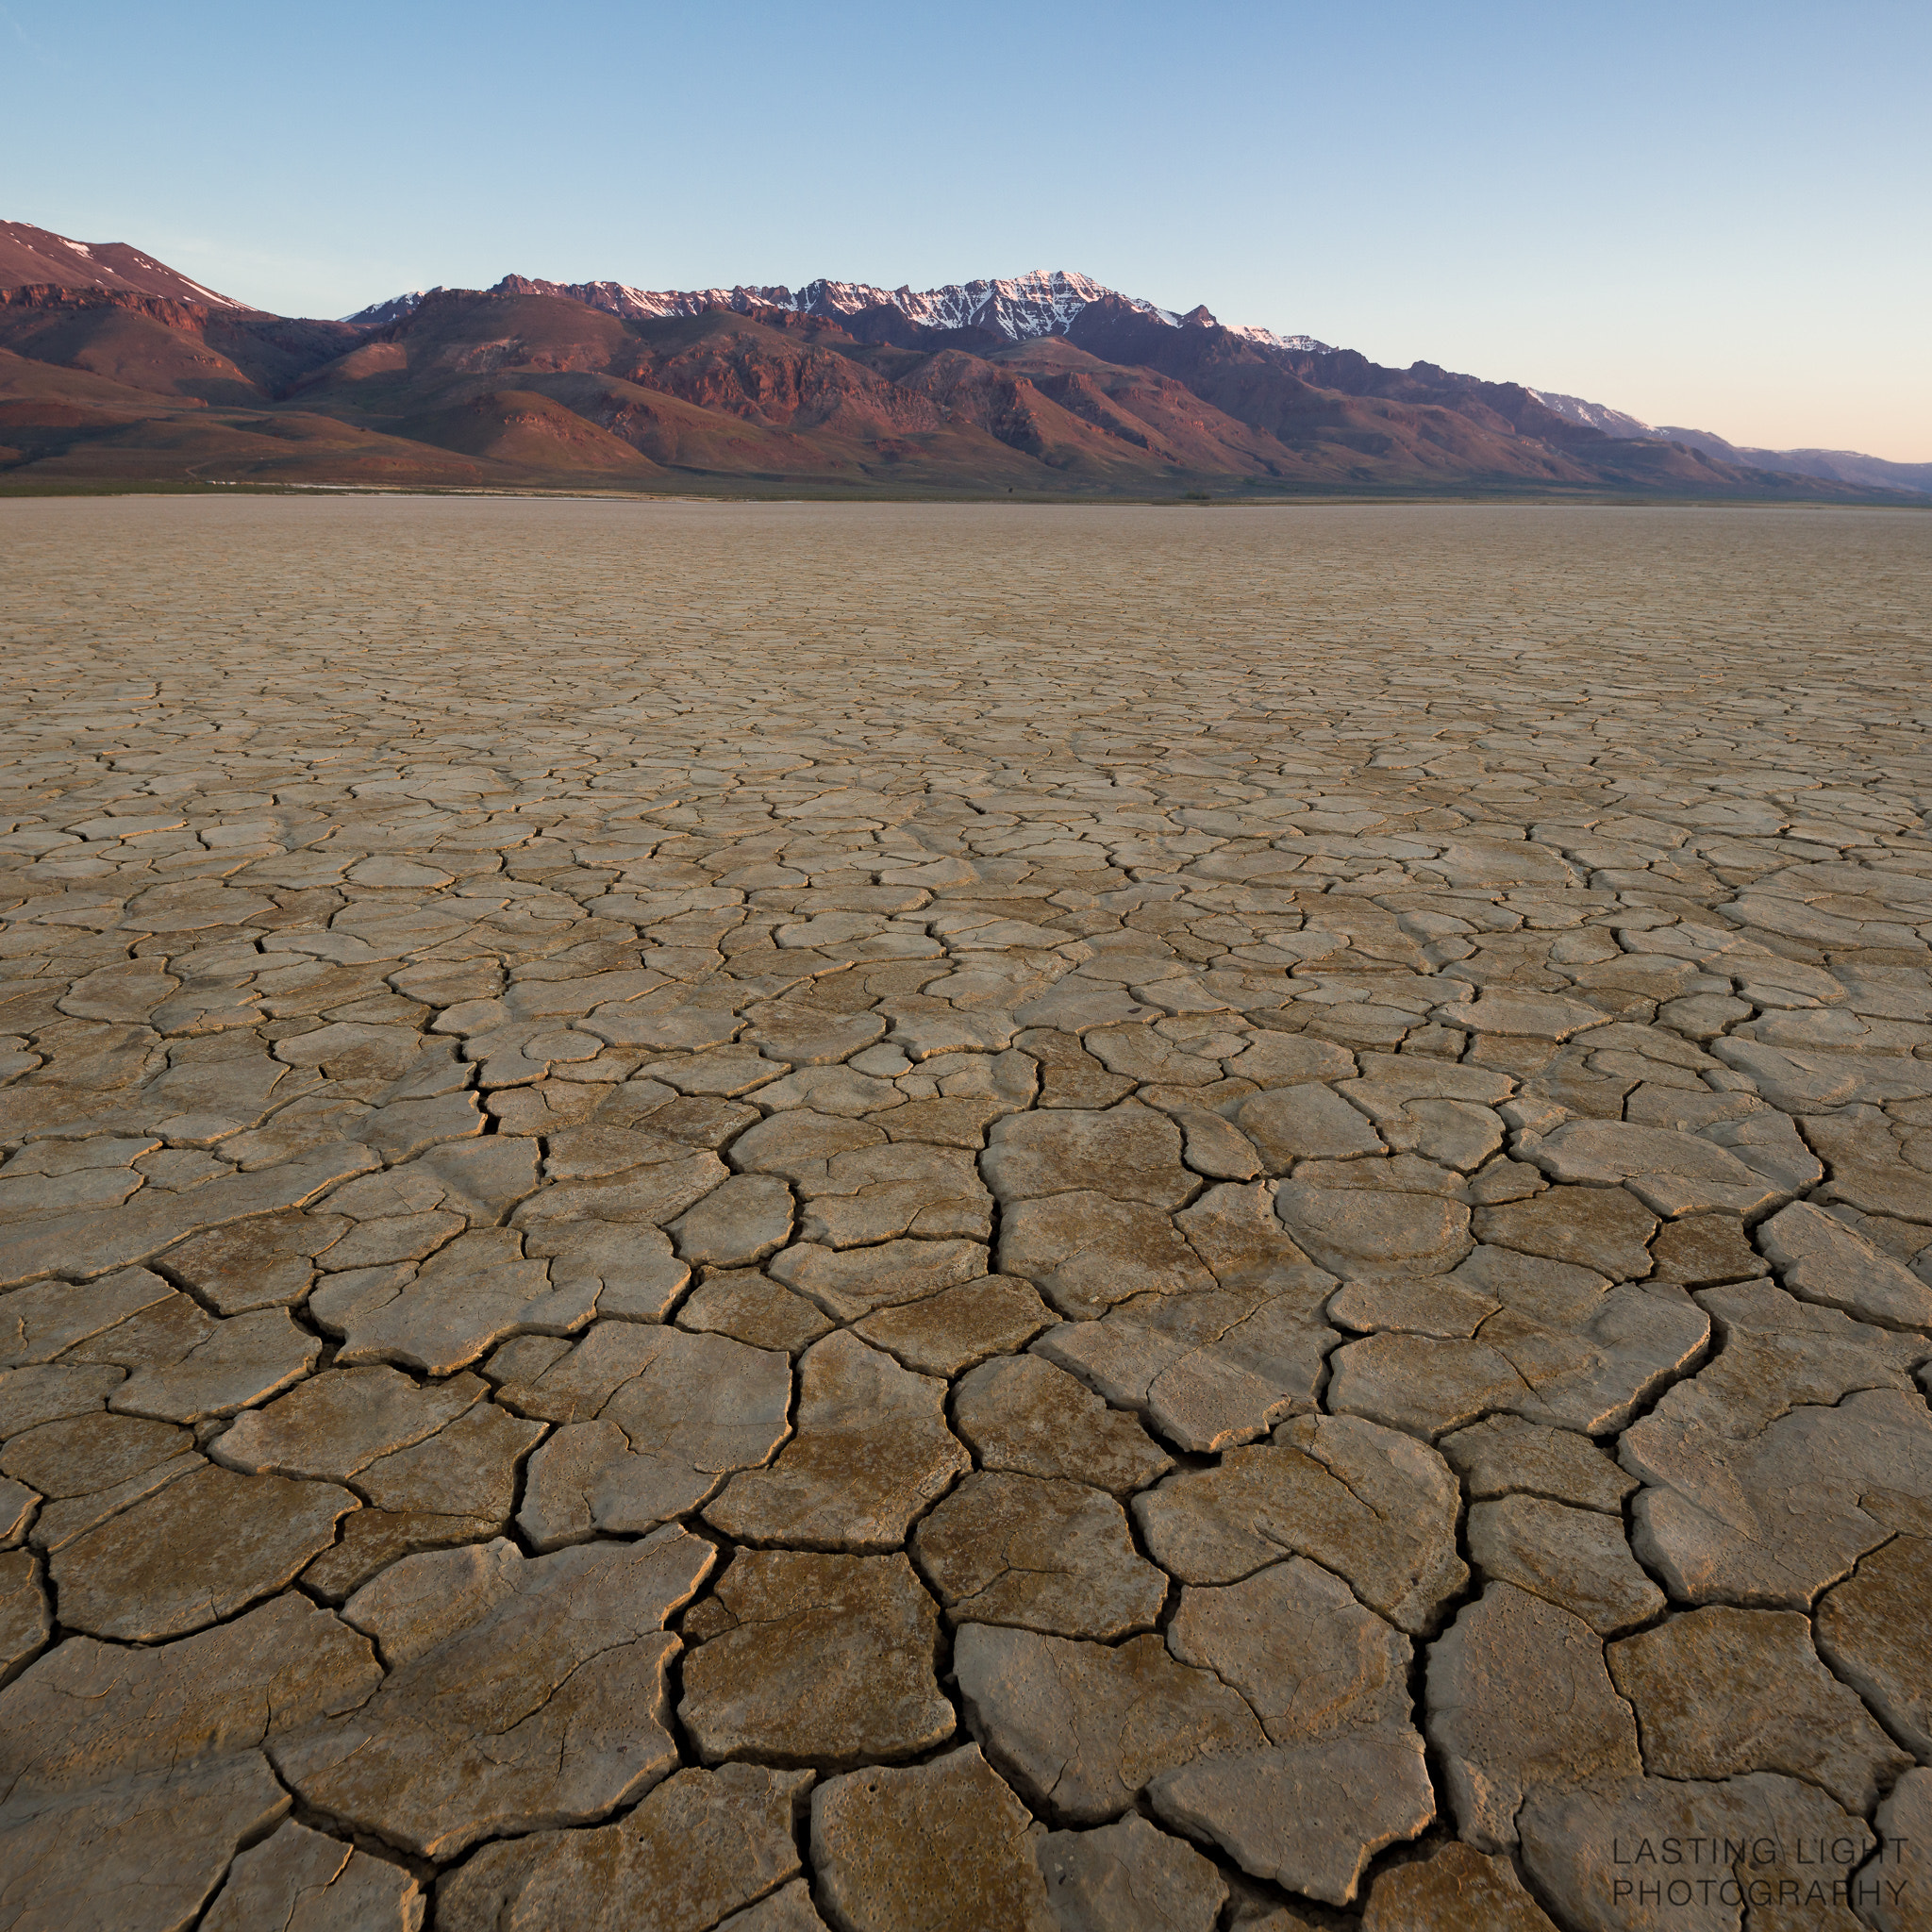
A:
[1714,215]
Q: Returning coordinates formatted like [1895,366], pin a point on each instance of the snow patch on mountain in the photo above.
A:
[1594,415]
[1306,345]
[208,295]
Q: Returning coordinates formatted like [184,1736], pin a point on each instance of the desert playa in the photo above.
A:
[963,1217]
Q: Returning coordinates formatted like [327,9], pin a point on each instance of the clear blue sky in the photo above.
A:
[1710,212]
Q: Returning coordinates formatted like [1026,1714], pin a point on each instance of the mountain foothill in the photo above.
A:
[116,370]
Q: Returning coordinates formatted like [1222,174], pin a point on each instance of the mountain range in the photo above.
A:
[116,370]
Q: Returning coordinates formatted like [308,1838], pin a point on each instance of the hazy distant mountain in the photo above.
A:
[1047,384]
[1839,465]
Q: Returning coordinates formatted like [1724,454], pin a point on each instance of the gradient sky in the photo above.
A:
[1712,213]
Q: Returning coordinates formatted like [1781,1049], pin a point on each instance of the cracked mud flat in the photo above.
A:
[964,1218]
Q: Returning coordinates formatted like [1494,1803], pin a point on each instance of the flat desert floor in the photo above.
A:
[980,1218]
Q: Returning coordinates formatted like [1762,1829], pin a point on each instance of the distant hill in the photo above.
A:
[114,367]
[1834,465]
[1841,465]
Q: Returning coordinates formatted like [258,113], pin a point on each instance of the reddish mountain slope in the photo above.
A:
[31,255]
[99,386]
[755,397]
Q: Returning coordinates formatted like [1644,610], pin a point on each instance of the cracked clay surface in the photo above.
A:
[964,1218]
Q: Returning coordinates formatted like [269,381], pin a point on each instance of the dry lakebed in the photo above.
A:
[964,1218]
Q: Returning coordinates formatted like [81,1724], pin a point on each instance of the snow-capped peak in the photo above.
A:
[1042,302]
[379,314]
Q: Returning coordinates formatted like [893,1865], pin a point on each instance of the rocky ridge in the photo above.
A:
[1042,302]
